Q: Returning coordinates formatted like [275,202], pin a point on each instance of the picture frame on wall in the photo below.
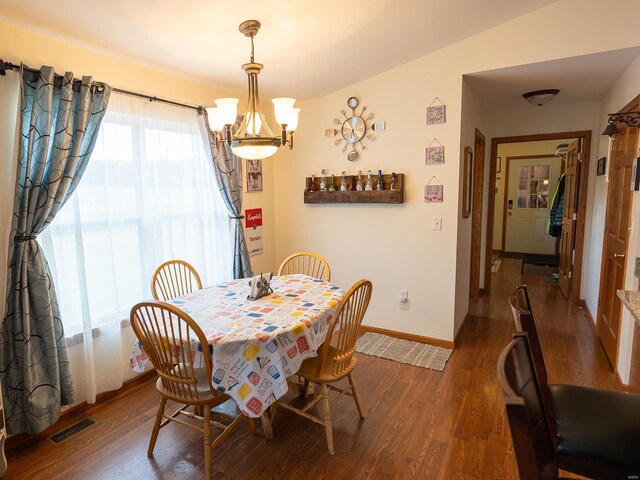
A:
[600,168]
[254,175]
[467,181]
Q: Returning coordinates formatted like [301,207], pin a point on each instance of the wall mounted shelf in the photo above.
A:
[354,196]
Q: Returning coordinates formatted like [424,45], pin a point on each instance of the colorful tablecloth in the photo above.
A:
[258,344]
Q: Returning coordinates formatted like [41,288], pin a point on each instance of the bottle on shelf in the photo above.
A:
[343,182]
[332,187]
[323,181]
[380,181]
[369,185]
[312,187]
[359,182]
[394,179]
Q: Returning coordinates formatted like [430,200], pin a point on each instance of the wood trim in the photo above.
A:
[583,186]
[408,336]
[15,441]
[585,134]
[479,145]
[506,189]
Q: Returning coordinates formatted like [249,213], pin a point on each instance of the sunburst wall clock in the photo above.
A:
[354,129]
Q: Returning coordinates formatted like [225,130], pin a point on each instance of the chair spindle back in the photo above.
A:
[173,279]
[347,320]
[170,337]
[307,263]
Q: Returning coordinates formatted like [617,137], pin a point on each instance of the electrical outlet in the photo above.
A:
[404,296]
[436,223]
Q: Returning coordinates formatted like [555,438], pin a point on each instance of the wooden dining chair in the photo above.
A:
[336,359]
[595,432]
[173,279]
[307,263]
[170,337]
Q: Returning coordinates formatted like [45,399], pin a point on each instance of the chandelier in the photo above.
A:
[253,137]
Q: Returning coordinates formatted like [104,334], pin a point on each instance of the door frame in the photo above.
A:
[506,190]
[585,135]
[479,149]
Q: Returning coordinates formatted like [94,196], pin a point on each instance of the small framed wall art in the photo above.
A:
[435,153]
[433,191]
[254,175]
[436,112]
[602,163]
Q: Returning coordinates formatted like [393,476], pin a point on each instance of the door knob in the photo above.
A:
[618,255]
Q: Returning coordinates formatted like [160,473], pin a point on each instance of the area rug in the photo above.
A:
[404,351]
[495,265]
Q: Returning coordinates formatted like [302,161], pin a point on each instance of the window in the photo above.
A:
[533,186]
[148,195]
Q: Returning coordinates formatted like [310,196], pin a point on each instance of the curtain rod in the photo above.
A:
[4,66]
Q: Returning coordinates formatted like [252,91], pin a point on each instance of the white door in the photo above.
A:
[531,185]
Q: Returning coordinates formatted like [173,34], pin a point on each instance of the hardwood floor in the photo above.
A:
[421,424]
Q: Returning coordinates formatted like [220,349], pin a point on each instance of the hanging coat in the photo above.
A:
[554,227]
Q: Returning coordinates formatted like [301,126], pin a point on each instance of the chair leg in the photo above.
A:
[208,474]
[252,425]
[156,426]
[355,396]
[327,417]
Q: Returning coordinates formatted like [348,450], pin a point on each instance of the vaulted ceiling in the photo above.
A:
[308,48]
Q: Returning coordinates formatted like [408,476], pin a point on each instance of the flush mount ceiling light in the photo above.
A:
[540,97]
[253,138]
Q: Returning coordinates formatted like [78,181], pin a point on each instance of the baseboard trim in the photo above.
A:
[408,336]
[20,439]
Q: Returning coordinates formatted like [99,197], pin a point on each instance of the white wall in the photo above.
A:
[394,246]
[473,116]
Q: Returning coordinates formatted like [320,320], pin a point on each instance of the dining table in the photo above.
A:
[256,345]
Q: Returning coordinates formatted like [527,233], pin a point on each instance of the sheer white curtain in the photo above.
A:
[148,195]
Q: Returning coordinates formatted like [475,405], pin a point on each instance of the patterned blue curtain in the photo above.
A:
[59,125]
[228,172]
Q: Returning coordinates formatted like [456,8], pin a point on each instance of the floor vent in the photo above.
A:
[71,431]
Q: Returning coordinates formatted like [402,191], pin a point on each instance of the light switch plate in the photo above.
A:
[436,223]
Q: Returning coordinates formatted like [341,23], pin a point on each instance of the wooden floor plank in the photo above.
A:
[420,424]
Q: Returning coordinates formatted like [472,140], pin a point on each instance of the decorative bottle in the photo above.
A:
[392,186]
[380,181]
[323,181]
[312,187]
[369,185]
[343,182]
[332,187]
[359,184]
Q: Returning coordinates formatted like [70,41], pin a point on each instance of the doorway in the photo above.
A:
[498,171]
[530,182]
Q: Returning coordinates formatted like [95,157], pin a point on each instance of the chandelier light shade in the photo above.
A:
[541,97]
[253,138]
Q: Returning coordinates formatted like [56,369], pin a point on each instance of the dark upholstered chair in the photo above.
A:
[596,433]
[535,451]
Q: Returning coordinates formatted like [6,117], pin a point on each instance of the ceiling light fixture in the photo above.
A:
[540,97]
[252,137]
[629,118]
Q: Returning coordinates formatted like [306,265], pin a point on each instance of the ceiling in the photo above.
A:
[580,79]
[309,49]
